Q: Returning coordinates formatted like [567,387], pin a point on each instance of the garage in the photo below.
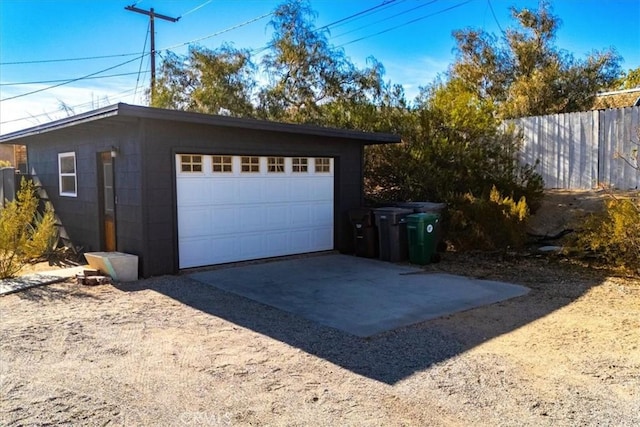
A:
[236,207]
[189,189]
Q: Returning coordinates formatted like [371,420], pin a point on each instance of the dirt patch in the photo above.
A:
[566,209]
[172,351]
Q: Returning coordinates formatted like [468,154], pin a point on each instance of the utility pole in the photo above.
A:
[152,15]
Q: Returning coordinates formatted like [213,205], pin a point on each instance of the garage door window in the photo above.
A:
[250,164]
[189,163]
[300,165]
[323,165]
[222,164]
[275,164]
[67,174]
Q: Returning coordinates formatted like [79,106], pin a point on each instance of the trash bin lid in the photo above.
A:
[423,217]
[422,206]
[392,214]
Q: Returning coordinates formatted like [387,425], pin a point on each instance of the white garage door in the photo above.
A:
[237,208]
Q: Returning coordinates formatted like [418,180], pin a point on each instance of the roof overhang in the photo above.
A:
[134,111]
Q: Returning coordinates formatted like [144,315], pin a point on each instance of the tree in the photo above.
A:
[306,72]
[219,81]
[524,73]
[629,80]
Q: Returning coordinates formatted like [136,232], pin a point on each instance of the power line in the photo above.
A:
[335,23]
[404,12]
[43,61]
[196,8]
[70,81]
[407,23]
[226,30]
[66,80]
[144,48]
[494,16]
[47,113]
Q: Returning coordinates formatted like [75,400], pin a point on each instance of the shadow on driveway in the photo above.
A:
[388,357]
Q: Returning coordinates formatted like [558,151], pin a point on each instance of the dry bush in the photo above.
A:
[489,223]
[612,236]
[25,234]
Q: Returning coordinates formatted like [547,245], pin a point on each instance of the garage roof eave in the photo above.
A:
[100,113]
[135,111]
[255,124]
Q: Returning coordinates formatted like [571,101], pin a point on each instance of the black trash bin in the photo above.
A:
[392,233]
[365,233]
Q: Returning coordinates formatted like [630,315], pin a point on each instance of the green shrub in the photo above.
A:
[487,223]
[613,235]
[25,234]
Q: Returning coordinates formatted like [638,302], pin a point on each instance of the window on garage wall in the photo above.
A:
[190,163]
[275,164]
[323,165]
[222,163]
[250,164]
[67,174]
[300,164]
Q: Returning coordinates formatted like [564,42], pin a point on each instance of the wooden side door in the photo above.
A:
[107,197]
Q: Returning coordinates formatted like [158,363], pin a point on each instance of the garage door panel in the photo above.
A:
[237,216]
[250,190]
[224,220]
[193,192]
[251,219]
[276,190]
[193,252]
[322,214]
[195,222]
[323,236]
[277,243]
[300,189]
[223,190]
[252,246]
[276,216]
[300,215]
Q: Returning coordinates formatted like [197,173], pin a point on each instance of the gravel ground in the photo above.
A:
[172,351]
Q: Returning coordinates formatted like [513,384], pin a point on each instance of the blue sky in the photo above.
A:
[413,54]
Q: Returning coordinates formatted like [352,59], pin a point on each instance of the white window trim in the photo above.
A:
[191,163]
[74,174]
[222,164]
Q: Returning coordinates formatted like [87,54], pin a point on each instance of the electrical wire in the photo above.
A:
[195,8]
[47,113]
[66,80]
[350,17]
[407,23]
[494,16]
[43,61]
[70,81]
[144,48]
[226,30]
[404,12]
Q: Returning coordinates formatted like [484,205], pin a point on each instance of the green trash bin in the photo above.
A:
[421,233]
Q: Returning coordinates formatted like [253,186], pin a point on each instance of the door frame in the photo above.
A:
[108,235]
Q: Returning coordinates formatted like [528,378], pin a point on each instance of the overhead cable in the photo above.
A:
[70,81]
[407,23]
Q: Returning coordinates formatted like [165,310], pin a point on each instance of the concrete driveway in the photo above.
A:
[360,296]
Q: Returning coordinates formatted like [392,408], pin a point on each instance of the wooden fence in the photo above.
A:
[581,150]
